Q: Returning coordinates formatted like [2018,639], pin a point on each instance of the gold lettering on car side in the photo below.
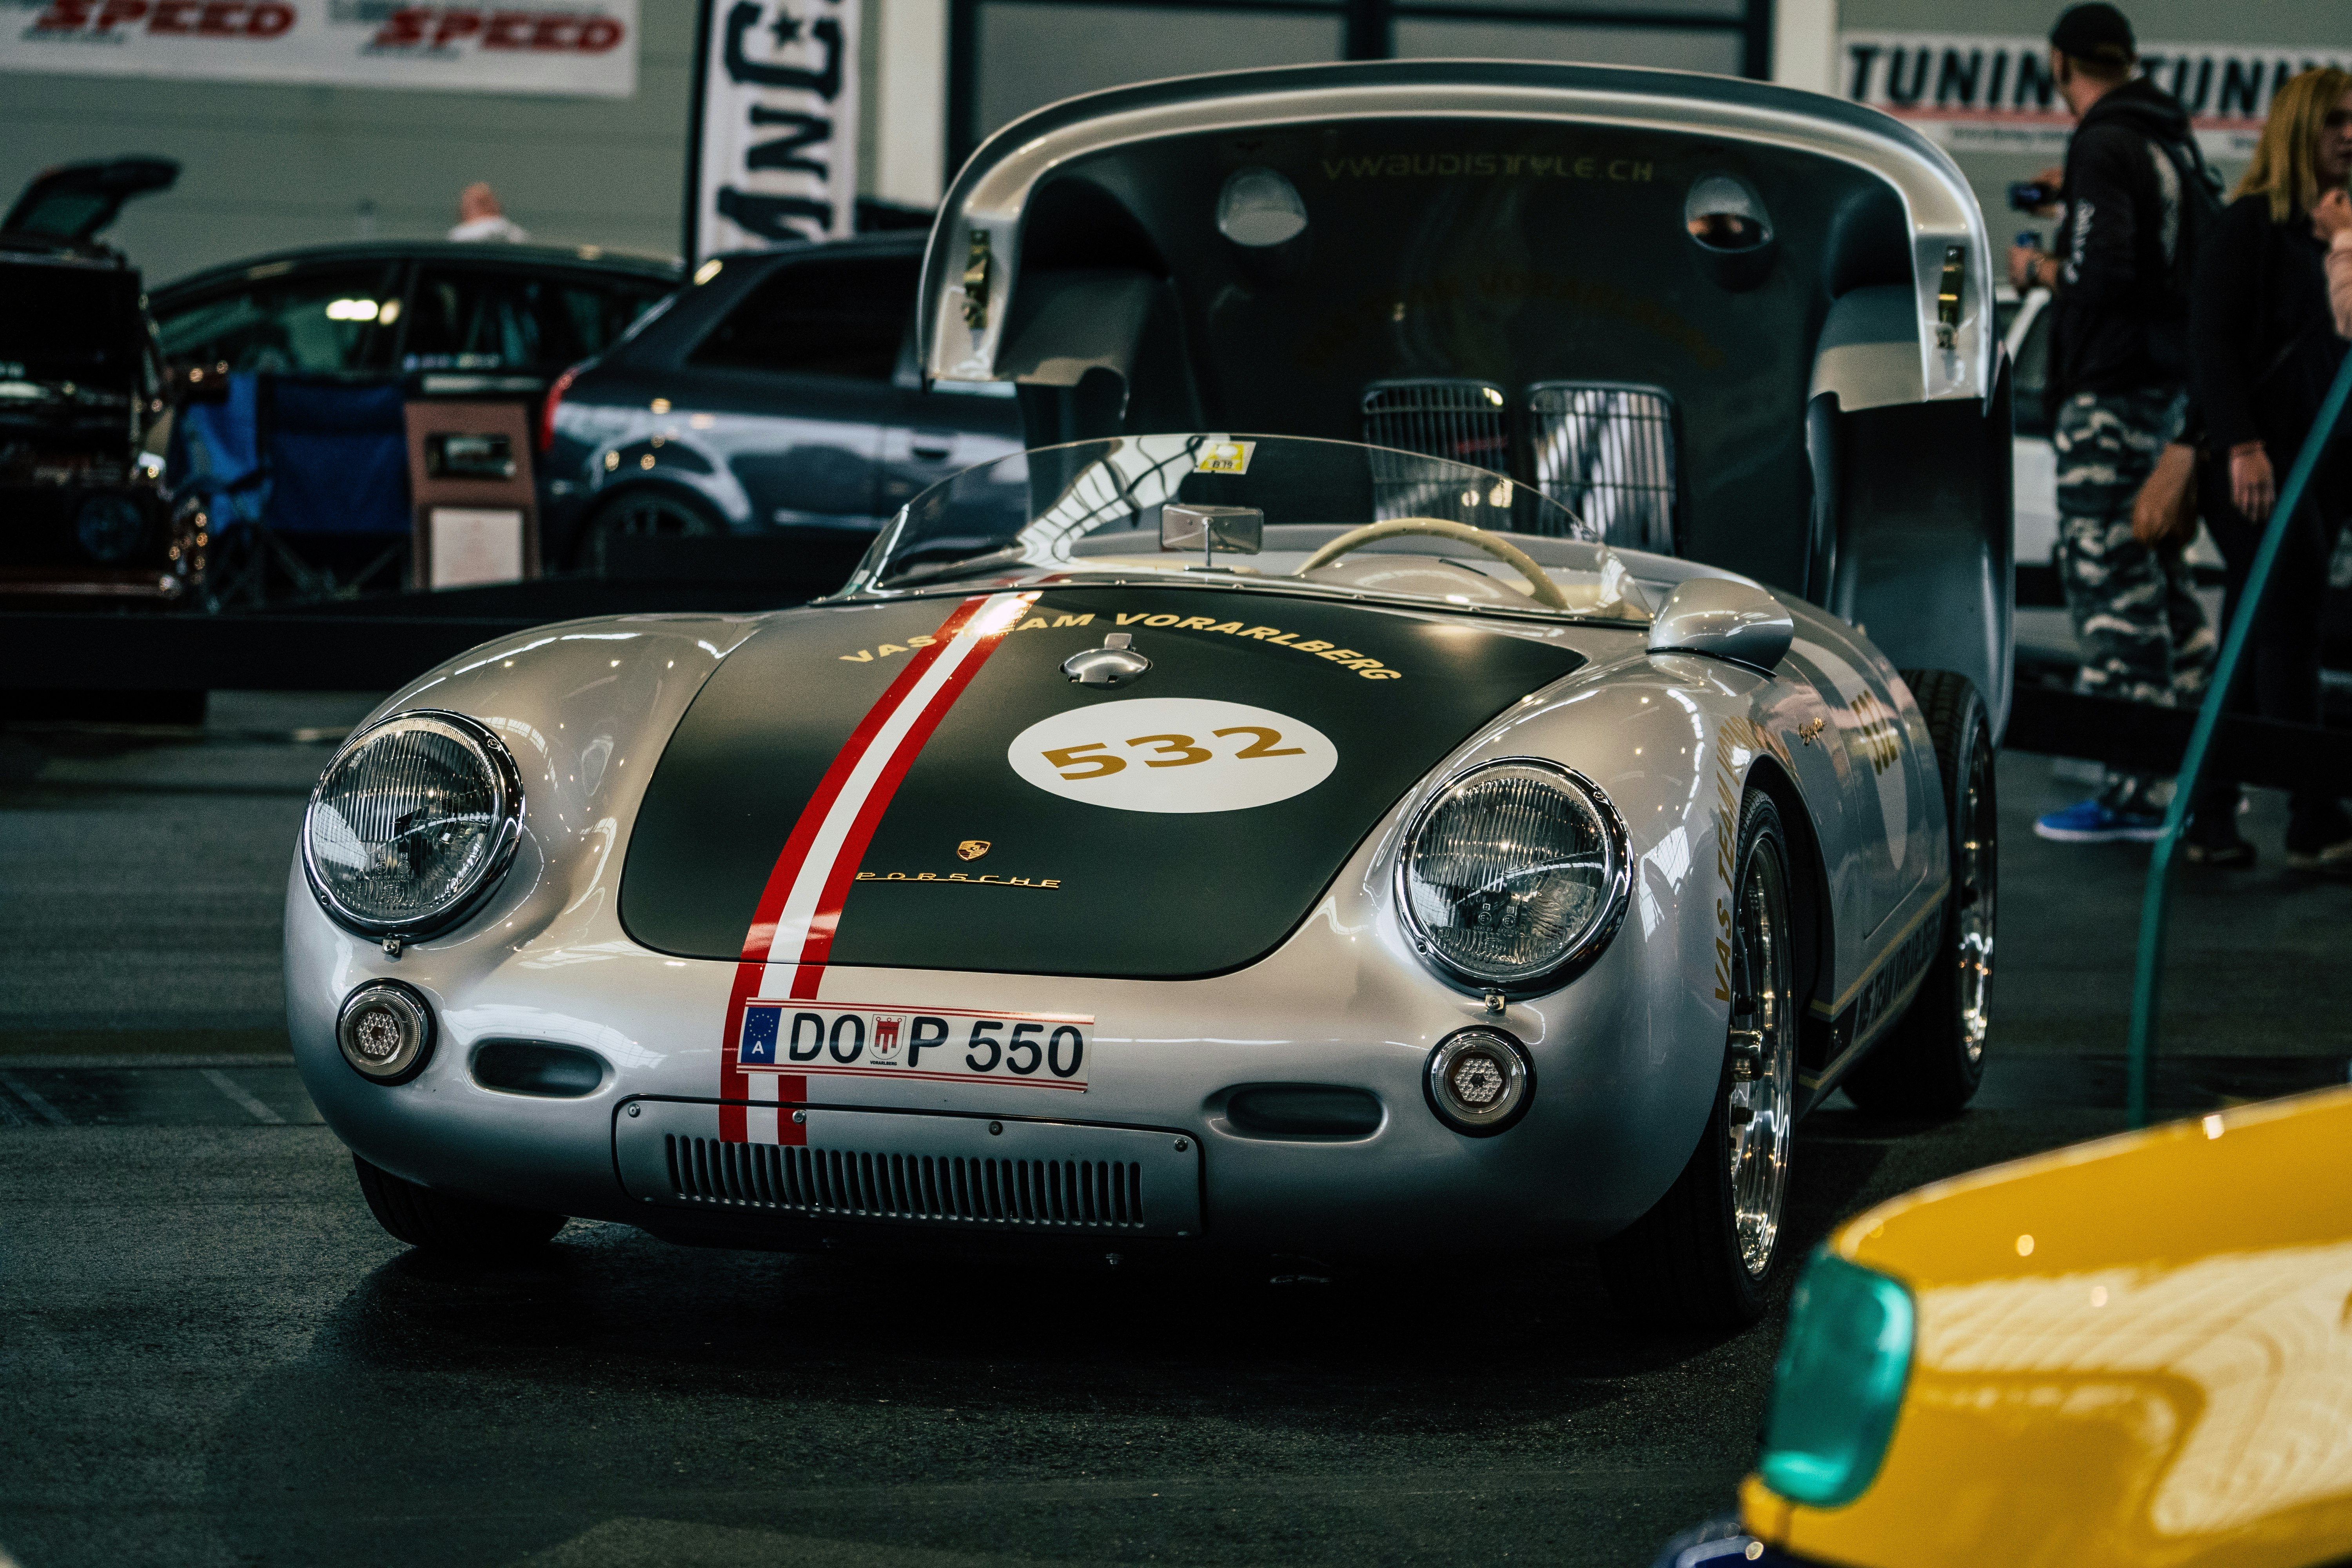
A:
[1876,735]
[1736,741]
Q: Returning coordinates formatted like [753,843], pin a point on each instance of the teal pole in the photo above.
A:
[2148,972]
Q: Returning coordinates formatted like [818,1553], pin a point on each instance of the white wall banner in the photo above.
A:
[775,135]
[575,47]
[1976,93]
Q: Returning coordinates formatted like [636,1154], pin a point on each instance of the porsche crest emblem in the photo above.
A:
[972,848]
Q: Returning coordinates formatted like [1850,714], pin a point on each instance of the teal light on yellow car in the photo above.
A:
[1839,1383]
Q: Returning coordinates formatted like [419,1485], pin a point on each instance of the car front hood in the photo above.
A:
[1188,858]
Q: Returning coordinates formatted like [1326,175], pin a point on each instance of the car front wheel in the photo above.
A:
[1706,1256]
[423,1218]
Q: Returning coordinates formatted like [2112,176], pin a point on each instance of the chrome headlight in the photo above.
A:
[1514,876]
[413,824]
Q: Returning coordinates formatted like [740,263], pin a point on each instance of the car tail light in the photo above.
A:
[547,410]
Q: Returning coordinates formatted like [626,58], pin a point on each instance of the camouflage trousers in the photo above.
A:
[2143,634]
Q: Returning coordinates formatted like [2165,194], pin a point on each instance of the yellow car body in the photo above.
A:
[2134,1351]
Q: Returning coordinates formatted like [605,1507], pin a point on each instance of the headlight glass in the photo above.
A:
[1838,1384]
[412,822]
[1516,871]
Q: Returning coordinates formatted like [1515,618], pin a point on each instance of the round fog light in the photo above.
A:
[386,1031]
[1478,1081]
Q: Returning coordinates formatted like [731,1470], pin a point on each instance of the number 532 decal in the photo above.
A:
[1170,752]
[1045,1050]
[1177,754]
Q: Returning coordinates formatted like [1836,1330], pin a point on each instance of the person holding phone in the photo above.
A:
[2271,307]
[2134,191]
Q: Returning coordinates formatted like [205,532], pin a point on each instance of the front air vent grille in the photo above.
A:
[1082,1194]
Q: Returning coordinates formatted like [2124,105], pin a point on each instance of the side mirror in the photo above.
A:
[1235,529]
[1734,621]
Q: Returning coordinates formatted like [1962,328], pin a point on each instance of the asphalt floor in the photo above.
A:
[209,1354]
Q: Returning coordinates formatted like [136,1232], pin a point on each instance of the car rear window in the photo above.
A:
[469,318]
[843,317]
[323,319]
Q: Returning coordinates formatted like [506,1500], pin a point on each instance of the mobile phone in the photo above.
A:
[2030,238]
[2030,195]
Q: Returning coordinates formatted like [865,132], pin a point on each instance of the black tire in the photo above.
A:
[423,1218]
[646,512]
[1931,1062]
[1706,1257]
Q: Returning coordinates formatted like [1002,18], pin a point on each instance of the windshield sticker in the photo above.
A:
[1173,755]
[1224,458]
[1364,665]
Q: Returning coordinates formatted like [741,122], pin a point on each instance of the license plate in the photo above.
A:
[949,1044]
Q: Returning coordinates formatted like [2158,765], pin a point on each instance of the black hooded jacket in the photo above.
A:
[2120,319]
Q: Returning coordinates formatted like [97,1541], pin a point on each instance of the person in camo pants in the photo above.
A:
[2143,634]
[2118,377]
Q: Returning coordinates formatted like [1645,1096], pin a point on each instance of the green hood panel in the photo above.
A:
[1133,893]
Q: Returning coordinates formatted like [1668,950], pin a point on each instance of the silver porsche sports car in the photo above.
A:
[1210,842]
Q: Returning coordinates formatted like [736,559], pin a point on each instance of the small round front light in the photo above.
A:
[386,1031]
[1478,1081]
[412,824]
[1514,876]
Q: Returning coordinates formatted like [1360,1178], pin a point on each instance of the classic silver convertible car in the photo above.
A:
[1420,832]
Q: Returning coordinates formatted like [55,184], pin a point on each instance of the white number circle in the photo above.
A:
[1173,754]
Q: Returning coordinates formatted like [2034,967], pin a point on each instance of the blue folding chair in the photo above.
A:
[307,480]
[216,453]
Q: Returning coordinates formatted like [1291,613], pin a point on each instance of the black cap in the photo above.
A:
[2094,32]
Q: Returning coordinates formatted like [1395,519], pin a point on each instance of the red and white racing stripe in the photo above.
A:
[792,935]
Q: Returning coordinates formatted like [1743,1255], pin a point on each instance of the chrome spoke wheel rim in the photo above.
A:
[1761,1104]
[1975,871]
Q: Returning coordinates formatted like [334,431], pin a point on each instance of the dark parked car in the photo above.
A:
[84,520]
[451,320]
[775,398]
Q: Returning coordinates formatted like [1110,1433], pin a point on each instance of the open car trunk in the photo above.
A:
[1715,319]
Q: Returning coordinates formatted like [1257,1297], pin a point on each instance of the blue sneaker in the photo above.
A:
[2094,821]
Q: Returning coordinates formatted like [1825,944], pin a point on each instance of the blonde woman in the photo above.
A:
[2266,349]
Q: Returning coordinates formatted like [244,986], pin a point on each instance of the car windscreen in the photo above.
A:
[1479,288]
[77,324]
[1172,502]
